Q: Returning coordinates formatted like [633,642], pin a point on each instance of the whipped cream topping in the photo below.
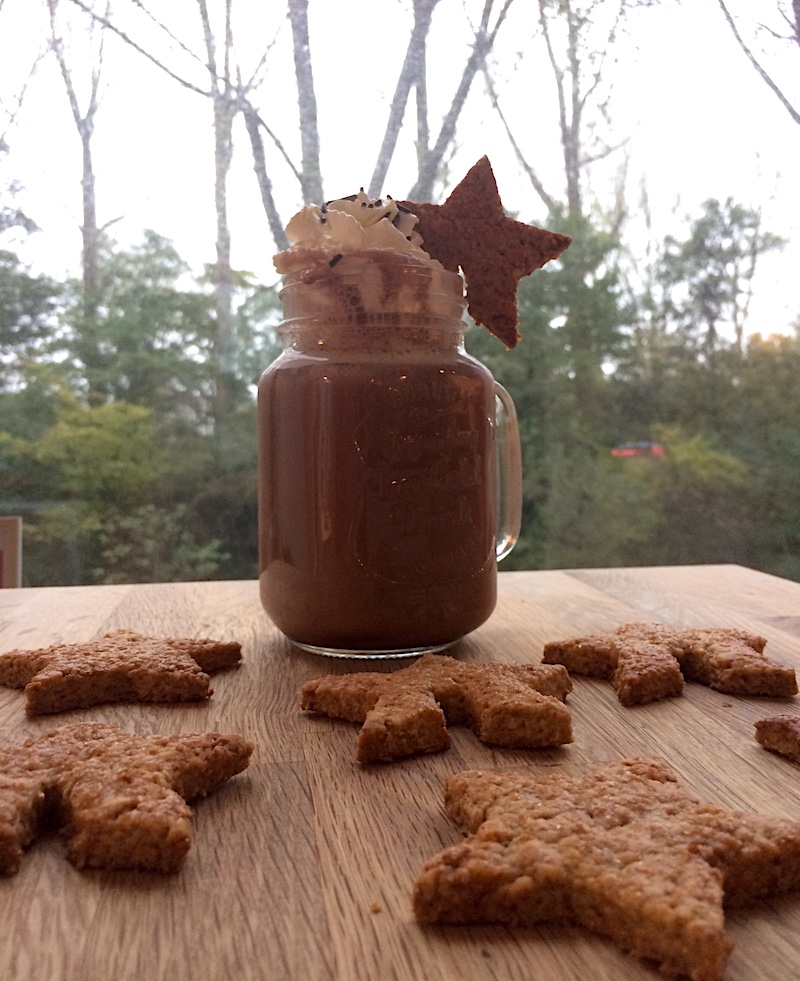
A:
[352,225]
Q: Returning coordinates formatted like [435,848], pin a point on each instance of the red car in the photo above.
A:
[638,449]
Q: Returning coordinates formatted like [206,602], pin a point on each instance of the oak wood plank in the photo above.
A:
[302,867]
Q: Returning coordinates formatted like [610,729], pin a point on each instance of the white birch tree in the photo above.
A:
[70,52]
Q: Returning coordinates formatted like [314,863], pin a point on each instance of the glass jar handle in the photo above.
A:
[509,472]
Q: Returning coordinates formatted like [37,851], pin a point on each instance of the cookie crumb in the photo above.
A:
[780,734]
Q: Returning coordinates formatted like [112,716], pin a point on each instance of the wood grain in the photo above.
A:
[301,868]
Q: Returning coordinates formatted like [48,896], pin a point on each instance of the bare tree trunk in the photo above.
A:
[253,124]
[578,68]
[225,101]
[90,233]
[568,81]
[412,73]
[228,96]
[311,177]
[89,230]
[433,160]
[579,38]
[223,273]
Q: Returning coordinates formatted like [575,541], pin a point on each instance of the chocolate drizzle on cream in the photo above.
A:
[402,218]
[350,226]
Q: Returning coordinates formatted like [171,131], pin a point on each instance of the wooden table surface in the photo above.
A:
[302,867]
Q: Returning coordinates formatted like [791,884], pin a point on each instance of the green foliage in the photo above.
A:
[149,342]
[150,544]
[108,442]
[705,279]
[724,490]
[573,317]
[27,410]
[595,514]
[11,216]
[702,499]
[762,423]
[105,455]
[27,307]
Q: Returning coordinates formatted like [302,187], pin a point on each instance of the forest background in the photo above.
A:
[127,377]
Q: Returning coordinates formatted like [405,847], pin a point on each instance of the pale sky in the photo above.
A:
[700,124]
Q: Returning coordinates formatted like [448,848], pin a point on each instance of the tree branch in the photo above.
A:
[210,43]
[57,45]
[411,73]
[19,96]
[106,22]
[547,199]
[253,123]
[163,27]
[794,113]
[483,44]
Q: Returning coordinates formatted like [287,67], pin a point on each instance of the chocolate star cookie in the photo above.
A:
[471,231]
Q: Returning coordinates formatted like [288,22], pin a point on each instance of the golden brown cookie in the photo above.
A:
[120,667]
[119,798]
[648,661]
[623,851]
[408,711]
[472,232]
[781,734]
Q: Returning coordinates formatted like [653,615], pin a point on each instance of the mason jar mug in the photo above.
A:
[389,465]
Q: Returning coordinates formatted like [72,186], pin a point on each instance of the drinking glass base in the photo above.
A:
[372,655]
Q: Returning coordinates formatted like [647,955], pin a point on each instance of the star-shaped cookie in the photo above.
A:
[120,798]
[471,231]
[649,661]
[120,667]
[512,705]
[623,851]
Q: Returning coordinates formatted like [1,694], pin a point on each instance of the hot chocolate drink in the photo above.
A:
[377,483]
